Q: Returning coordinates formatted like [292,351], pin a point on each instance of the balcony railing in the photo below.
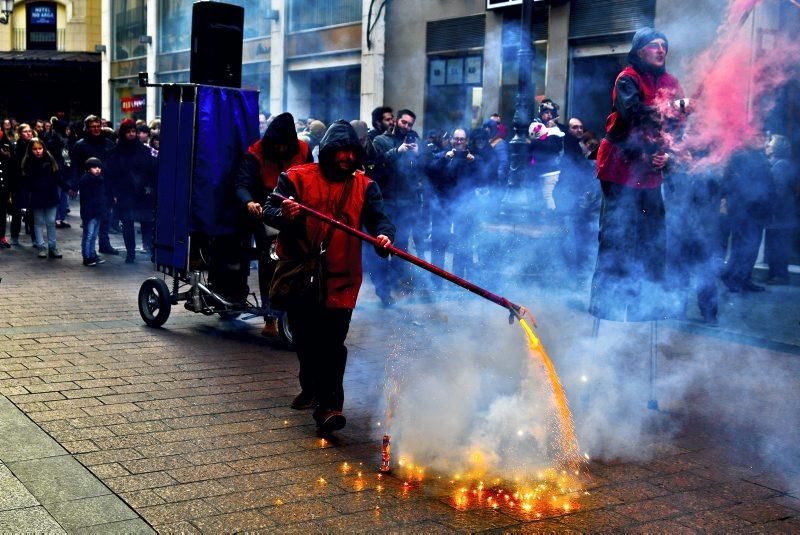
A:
[21,39]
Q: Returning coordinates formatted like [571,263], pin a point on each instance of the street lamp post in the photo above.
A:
[7,7]
[515,205]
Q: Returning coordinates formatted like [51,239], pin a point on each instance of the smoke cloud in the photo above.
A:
[463,392]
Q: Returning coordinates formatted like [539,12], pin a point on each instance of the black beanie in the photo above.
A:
[93,162]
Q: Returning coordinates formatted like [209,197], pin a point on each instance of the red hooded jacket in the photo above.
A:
[624,154]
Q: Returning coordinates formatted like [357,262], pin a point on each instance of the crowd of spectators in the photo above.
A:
[439,189]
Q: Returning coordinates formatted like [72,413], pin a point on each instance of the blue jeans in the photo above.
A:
[45,217]
[91,227]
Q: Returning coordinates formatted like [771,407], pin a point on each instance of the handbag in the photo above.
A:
[302,282]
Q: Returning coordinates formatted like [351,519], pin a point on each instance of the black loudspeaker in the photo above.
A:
[217,31]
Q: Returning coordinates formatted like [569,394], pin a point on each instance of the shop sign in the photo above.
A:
[133,104]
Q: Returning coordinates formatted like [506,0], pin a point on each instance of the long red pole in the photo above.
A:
[515,310]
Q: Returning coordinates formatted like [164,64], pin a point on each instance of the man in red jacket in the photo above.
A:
[631,161]
[336,187]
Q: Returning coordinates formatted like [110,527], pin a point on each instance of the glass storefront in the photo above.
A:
[128,24]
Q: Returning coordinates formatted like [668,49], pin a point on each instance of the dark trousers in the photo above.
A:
[386,274]
[129,233]
[102,235]
[319,335]
[628,282]
[777,248]
[5,208]
[745,240]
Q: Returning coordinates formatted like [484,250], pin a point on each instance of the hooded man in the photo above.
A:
[631,160]
[278,150]
[338,188]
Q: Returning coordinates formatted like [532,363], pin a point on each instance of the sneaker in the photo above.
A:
[270,329]
[89,262]
[329,421]
[15,242]
[55,253]
[42,252]
[130,259]
[63,224]
[99,260]
[4,243]
[303,401]
[109,250]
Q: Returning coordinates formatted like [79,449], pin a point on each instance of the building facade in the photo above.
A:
[454,62]
[50,59]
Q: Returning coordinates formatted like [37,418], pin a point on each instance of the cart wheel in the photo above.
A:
[154,302]
[285,330]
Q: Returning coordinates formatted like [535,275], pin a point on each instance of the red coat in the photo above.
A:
[270,170]
[624,155]
[344,251]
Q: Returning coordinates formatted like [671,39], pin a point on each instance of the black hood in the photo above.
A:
[340,135]
[640,39]
[281,131]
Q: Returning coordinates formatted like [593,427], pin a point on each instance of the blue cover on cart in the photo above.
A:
[204,132]
[227,124]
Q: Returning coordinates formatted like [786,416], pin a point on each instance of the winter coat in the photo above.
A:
[6,178]
[94,200]
[88,147]
[400,175]
[785,190]
[320,187]
[451,177]
[633,130]
[747,186]
[40,183]
[130,172]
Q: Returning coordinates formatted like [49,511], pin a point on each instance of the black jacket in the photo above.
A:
[399,175]
[88,147]
[130,171]
[94,201]
[40,183]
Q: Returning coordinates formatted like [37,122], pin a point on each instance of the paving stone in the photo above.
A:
[21,439]
[29,520]
[126,527]
[760,512]
[86,512]
[13,494]
[57,479]
[247,521]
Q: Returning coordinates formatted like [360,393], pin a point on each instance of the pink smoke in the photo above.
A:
[728,77]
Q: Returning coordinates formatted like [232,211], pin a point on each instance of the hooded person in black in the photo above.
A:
[338,188]
[276,151]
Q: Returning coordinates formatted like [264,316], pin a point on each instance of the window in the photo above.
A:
[311,14]
[128,24]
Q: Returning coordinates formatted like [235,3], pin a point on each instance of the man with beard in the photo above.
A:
[382,122]
[629,275]
[401,173]
[339,189]
[278,150]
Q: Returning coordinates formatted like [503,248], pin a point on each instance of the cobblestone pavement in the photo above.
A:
[188,426]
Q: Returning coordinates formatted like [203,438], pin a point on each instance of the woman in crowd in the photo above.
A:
[41,179]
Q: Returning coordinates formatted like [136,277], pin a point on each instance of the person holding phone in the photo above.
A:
[401,176]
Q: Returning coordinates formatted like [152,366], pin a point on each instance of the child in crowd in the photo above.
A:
[93,203]
[41,179]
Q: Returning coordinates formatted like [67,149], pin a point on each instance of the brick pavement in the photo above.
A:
[189,424]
